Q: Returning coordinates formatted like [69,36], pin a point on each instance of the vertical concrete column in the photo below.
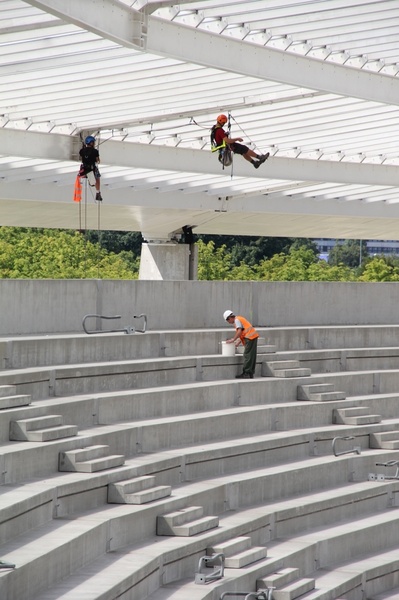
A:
[166,261]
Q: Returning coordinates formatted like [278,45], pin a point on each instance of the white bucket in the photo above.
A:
[228,349]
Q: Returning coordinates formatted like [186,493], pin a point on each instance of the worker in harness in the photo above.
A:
[90,159]
[220,139]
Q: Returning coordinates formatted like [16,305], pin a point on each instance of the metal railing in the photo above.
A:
[382,476]
[217,562]
[127,329]
[354,450]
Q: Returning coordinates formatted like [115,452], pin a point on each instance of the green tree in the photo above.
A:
[213,264]
[348,253]
[53,254]
[379,269]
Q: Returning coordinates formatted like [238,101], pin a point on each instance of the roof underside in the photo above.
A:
[313,82]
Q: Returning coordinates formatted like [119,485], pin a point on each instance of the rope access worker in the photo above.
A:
[90,159]
[220,139]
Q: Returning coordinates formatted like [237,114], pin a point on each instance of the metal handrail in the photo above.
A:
[209,561]
[355,450]
[259,595]
[389,463]
[127,329]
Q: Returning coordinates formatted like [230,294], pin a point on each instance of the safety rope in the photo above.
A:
[246,135]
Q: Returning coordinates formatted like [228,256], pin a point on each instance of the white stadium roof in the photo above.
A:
[313,82]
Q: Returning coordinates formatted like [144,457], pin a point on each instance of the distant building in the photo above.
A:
[324,246]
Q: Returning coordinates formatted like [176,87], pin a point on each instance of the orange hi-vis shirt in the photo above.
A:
[248,332]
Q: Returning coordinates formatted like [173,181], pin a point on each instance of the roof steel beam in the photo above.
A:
[109,19]
[120,23]
[151,156]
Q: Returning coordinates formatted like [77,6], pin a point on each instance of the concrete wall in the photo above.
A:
[54,306]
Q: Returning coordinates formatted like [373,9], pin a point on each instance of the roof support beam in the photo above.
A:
[147,156]
[109,19]
[116,21]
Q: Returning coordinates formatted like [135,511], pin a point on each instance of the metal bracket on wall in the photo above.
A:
[127,329]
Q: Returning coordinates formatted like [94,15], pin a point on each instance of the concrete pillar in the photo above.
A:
[168,261]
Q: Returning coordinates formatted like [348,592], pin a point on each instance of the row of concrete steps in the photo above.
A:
[319,392]
[250,521]
[250,518]
[286,583]
[355,415]
[139,490]
[10,399]
[285,368]
[41,429]
[186,522]
[89,460]
[238,552]
[37,351]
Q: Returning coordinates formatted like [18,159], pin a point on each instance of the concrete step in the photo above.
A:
[230,547]
[301,372]
[388,440]
[186,522]
[139,490]
[262,349]
[89,460]
[356,415]
[303,391]
[41,429]
[279,579]
[195,527]
[146,496]
[14,401]
[277,365]
[327,396]
[246,557]
[7,390]
[294,590]
[319,392]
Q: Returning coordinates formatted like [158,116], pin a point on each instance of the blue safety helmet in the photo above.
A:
[90,139]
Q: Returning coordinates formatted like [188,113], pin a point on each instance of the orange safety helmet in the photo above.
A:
[222,119]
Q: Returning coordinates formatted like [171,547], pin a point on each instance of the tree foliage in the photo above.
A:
[63,254]
[54,254]
[348,253]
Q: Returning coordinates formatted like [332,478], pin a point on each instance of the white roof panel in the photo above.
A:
[315,83]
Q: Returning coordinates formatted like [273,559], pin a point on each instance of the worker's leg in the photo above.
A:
[251,347]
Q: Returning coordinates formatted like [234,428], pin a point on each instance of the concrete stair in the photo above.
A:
[287,584]
[41,429]
[389,440]
[89,460]
[284,368]
[186,522]
[7,390]
[319,392]
[139,490]
[356,415]
[238,552]
[10,399]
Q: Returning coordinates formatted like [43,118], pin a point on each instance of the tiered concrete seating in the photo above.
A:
[248,463]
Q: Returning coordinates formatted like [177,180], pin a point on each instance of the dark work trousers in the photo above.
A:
[250,350]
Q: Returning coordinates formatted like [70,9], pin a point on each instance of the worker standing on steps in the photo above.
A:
[90,159]
[219,140]
[247,335]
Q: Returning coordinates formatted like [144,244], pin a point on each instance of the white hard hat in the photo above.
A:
[227,314]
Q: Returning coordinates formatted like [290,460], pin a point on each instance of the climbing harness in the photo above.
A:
[225,154]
